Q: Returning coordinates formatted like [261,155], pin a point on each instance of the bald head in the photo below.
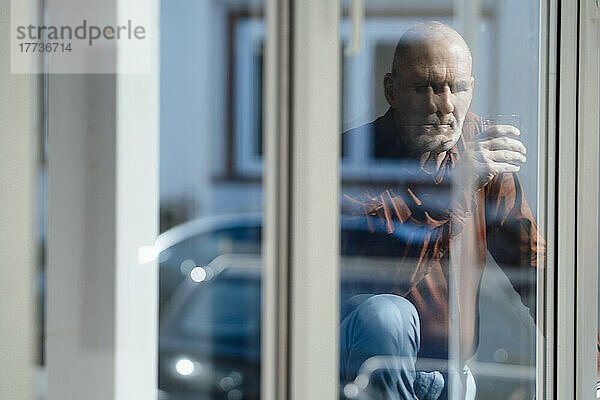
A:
[428,39]
[430,87]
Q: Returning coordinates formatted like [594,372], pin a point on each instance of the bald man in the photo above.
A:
[457,196]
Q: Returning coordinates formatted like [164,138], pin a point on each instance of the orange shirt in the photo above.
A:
[443,234]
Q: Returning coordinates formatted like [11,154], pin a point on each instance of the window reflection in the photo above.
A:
[212,60]
[214,350]
[438,191]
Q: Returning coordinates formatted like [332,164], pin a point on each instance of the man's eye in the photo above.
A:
[422,88]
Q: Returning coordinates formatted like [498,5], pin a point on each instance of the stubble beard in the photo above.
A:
[433,139]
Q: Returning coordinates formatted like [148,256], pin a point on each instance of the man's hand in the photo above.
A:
[493,152]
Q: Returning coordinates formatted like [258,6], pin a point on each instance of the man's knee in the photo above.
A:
[390,318]
[389,306]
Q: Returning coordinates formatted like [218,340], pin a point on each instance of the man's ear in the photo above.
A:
[389,89]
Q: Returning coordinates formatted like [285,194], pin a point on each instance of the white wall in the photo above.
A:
[185,77]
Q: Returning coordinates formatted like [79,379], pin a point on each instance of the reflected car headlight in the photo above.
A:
[185,367]
[189,368]
[204,374]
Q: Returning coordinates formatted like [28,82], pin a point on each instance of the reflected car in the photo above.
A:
[209,338]
[210,306]
[210,333]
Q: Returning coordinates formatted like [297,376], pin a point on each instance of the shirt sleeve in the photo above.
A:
[513,238]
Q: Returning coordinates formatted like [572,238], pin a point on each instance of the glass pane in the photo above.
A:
[212,56]
[440,244]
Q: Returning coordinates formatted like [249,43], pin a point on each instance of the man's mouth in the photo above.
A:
[437,129]
[437,126]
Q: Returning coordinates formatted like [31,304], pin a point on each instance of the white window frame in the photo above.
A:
[301,249]
[546,201]
[577,200]
[101,282]
[588,175]
[19,110]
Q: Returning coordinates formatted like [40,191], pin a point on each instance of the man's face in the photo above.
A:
[432,94]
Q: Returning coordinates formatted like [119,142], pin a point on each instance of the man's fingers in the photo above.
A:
[500,168]
[501,130]
[504,143]
[507,156]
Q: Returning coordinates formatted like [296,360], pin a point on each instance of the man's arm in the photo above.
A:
[513,238]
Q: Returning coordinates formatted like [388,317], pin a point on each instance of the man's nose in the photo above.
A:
[441,102]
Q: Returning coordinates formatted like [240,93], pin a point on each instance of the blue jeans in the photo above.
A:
[387,327]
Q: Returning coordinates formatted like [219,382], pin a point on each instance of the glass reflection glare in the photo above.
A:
[187,266]
[235,394]
[227,383]
[146,254]
[184,367]
[198,274]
